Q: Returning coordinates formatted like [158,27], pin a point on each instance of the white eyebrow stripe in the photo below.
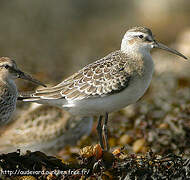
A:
[135,33]
[129,35]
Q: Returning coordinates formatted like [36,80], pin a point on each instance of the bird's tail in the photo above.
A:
[49,96]
[27,96]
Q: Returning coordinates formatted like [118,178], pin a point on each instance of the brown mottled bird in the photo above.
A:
[109,84]
[8,90]
[43,128]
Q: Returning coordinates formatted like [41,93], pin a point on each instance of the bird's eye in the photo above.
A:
[141,36]
[6,66]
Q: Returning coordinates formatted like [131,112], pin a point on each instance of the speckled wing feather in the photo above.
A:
[105,76]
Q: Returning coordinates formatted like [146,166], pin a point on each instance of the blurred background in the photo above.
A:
[53,39]
[63,36]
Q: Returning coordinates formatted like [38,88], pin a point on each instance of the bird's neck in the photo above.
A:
[133,49]
[133,54]
[138,59]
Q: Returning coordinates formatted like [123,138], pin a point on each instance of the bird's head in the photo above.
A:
[9,70]
[141,40]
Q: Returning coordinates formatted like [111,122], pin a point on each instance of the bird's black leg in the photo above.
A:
[105,130]
[99,130]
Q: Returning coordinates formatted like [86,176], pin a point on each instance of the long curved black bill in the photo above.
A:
[164,47]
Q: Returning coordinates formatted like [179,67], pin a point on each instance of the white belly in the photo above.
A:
[101,105]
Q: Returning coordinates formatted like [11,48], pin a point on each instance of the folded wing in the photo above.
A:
[103,77]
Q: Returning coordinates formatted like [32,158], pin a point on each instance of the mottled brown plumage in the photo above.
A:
[8,97]
[43,128]
[8,90]
[106,76]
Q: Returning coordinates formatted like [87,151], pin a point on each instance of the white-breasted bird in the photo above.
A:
[109,84]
